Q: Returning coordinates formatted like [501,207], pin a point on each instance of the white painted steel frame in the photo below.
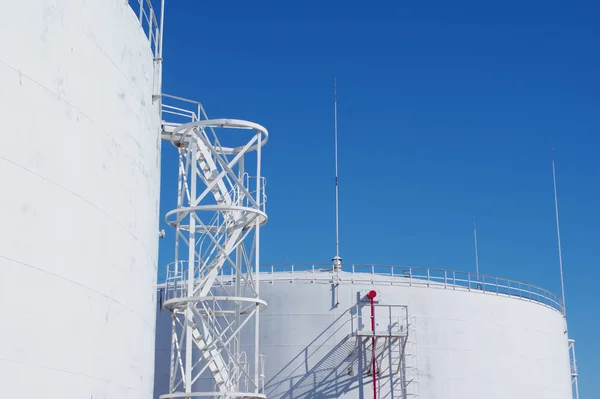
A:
[387,345]
[220,209]
[574,372]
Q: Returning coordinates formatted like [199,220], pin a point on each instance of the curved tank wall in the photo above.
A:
[460,343]
[79,178]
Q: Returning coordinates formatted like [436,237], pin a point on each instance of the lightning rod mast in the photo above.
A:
[337,260]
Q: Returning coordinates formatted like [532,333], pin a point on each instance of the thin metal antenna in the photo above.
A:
[337,261]
[560,260]
[572,359]
[476,249]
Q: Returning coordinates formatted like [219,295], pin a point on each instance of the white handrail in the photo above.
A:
[407,276]
[146,15]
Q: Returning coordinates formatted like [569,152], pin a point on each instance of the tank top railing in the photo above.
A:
[403,276]
[147,17]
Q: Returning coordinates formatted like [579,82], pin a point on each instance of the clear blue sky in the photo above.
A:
[445,109]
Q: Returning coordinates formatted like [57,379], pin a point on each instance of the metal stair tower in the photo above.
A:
[212,287]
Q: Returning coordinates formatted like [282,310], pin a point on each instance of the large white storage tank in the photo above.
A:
[445,334]
[79,178]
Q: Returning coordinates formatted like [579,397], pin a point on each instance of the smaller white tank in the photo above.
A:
[440,334]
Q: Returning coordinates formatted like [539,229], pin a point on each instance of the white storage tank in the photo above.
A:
[79,193]
[439,334]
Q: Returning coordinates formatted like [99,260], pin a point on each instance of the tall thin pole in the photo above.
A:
[259,189]
[371,295]
[162,27]
[337,261]
[560,260]
[476,249]
[189,316]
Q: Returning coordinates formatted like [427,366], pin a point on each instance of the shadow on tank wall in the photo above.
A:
[334,365]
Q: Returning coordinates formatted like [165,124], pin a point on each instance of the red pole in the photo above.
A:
[371,295]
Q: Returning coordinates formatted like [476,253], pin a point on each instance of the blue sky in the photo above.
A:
[445,109]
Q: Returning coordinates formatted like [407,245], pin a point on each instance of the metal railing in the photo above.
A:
[413,276]
[403,276]
[251,184]
[393,318]
[147,17]
[180,107]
